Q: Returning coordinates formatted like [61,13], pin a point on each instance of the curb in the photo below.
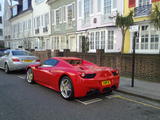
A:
[138,95]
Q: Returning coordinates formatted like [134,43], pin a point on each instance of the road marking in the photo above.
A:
[135,101]
[22,77]
[111,96]
[87,102]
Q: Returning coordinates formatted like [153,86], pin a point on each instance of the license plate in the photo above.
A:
[27,60]
[107,82]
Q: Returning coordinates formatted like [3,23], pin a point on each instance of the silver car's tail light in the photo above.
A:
[38,61]
[15,60]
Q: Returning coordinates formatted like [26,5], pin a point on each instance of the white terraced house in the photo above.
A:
[41,24]
[96,22]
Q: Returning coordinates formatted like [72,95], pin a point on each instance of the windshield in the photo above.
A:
[21,53]
[74,62]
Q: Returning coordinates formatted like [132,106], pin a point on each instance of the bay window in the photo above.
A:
[97,40]
[148,39]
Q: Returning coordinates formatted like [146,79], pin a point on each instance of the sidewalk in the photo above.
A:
[148,90]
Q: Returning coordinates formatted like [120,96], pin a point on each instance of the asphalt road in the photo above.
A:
[22,101]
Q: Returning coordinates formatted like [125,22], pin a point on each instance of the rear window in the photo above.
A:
[21,53]
[74,62]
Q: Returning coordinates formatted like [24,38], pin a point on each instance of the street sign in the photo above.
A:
[134,28]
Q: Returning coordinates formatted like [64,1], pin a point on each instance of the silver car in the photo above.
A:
[17,60]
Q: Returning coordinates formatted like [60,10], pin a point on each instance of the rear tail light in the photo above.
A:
[15,60]
[115,73]
[37,60]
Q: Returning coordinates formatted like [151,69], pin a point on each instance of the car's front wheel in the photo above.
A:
[66,88]
[30,76]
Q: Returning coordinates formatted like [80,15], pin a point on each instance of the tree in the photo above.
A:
[155,16]
[124,22]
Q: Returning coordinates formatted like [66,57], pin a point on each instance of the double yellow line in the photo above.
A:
[131,100]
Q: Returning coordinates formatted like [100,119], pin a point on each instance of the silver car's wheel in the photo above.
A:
[6,68]
[66,88]
[29,76]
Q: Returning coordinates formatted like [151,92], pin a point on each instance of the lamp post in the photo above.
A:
[133,59]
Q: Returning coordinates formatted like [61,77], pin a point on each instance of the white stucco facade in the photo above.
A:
[96,20]
[22,30]
[41,24]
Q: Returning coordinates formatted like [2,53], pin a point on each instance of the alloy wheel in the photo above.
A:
[29,76]
[66,88]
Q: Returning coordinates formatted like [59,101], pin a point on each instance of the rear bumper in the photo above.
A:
[88,85]
[20,65]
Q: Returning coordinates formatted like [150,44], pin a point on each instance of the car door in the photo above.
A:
[46,72]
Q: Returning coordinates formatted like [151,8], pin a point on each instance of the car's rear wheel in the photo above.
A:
[30,76]
[66,88]
[6,68]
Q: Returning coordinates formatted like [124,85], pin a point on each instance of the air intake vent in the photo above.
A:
[90,75]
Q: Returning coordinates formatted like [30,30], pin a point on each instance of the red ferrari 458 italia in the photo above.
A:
[73,77]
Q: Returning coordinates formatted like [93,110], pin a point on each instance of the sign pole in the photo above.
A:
[133,59]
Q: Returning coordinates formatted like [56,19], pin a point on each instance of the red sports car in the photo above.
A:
[73,77]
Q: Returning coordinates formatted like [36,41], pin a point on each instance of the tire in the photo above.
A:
[6,68]
[66,88]
[30,76]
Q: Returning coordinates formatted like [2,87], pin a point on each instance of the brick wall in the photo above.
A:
[147,67]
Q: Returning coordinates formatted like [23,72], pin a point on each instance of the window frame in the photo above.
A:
[86,13]
[108,5]
[1,20]
[60,16]
[25,2]
[138,3]
[110,38]
[1,32]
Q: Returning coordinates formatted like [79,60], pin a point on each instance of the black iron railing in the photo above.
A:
[144,10]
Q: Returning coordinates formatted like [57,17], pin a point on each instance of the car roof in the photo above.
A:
[67,58]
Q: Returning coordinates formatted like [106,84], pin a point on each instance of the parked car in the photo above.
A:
[17,60]
[73,77]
